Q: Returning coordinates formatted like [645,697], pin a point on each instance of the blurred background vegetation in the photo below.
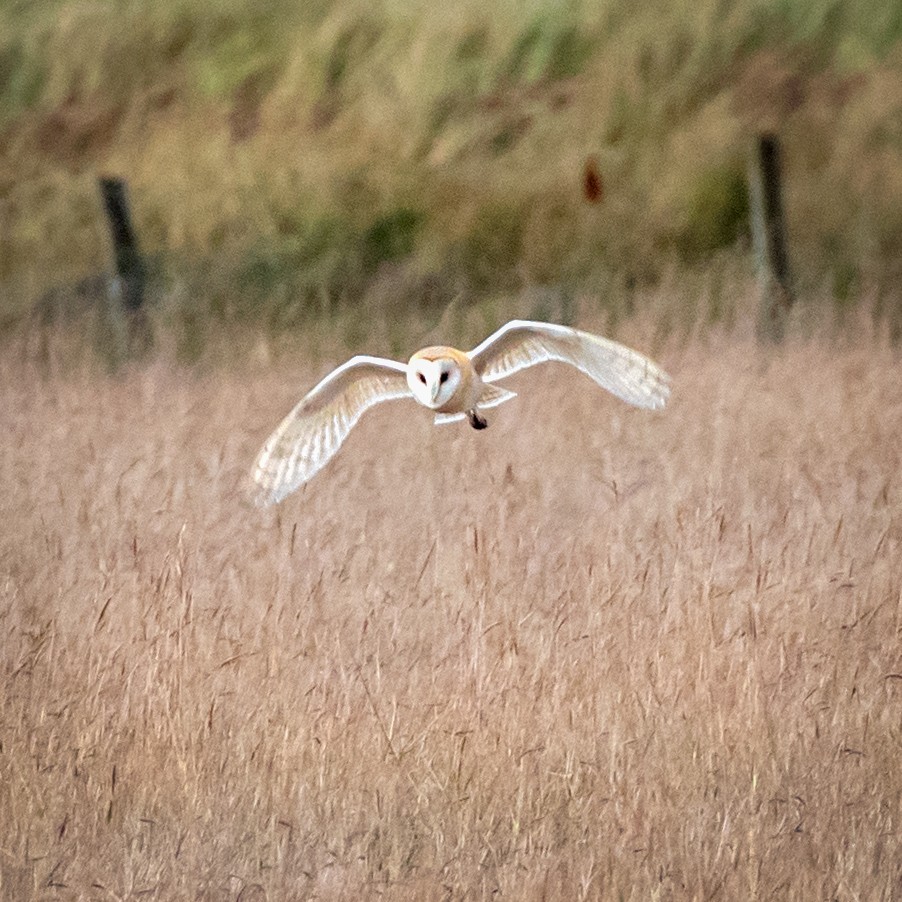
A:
[289,161]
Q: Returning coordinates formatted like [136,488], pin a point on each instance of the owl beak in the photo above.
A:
[433,389]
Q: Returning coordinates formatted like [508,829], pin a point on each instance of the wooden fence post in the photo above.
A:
[127,296]
[129,263]
[769,237]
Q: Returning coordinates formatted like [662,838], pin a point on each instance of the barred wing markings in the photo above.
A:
[308,438]
[625,373]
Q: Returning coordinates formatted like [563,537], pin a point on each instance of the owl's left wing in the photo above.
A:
[309,437]
[619,369]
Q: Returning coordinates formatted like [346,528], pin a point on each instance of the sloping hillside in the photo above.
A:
[289,156]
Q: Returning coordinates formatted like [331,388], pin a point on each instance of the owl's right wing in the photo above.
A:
[308,438]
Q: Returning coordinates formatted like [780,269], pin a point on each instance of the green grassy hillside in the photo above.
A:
[286,157]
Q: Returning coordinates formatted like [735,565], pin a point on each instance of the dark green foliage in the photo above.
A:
[312,271]
[487,257]
[350,48]
[390,237]
[473,45]
[22,79]
[716,213]
[303,274]
[846,281]
[549,47]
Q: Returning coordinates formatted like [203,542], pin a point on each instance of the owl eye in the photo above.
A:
[443,377]
[422,378]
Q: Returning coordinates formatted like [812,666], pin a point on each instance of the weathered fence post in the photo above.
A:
[129,263]
[131,272]
[769,237]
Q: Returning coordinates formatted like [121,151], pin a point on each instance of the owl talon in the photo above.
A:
[476,421]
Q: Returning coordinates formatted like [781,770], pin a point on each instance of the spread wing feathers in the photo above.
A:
[492,396]
[443,419]
[310,435]
[624,372]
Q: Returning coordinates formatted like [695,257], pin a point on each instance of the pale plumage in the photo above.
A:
[453,383]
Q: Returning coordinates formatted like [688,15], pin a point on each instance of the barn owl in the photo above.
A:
[455,384]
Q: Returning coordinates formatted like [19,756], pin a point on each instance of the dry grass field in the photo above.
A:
[591,652]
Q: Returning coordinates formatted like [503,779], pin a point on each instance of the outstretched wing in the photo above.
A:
[624,372]
[312,433]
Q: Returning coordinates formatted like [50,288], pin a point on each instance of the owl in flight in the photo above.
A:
[456,385]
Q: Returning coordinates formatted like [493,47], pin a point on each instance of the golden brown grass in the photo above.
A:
[590,653]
